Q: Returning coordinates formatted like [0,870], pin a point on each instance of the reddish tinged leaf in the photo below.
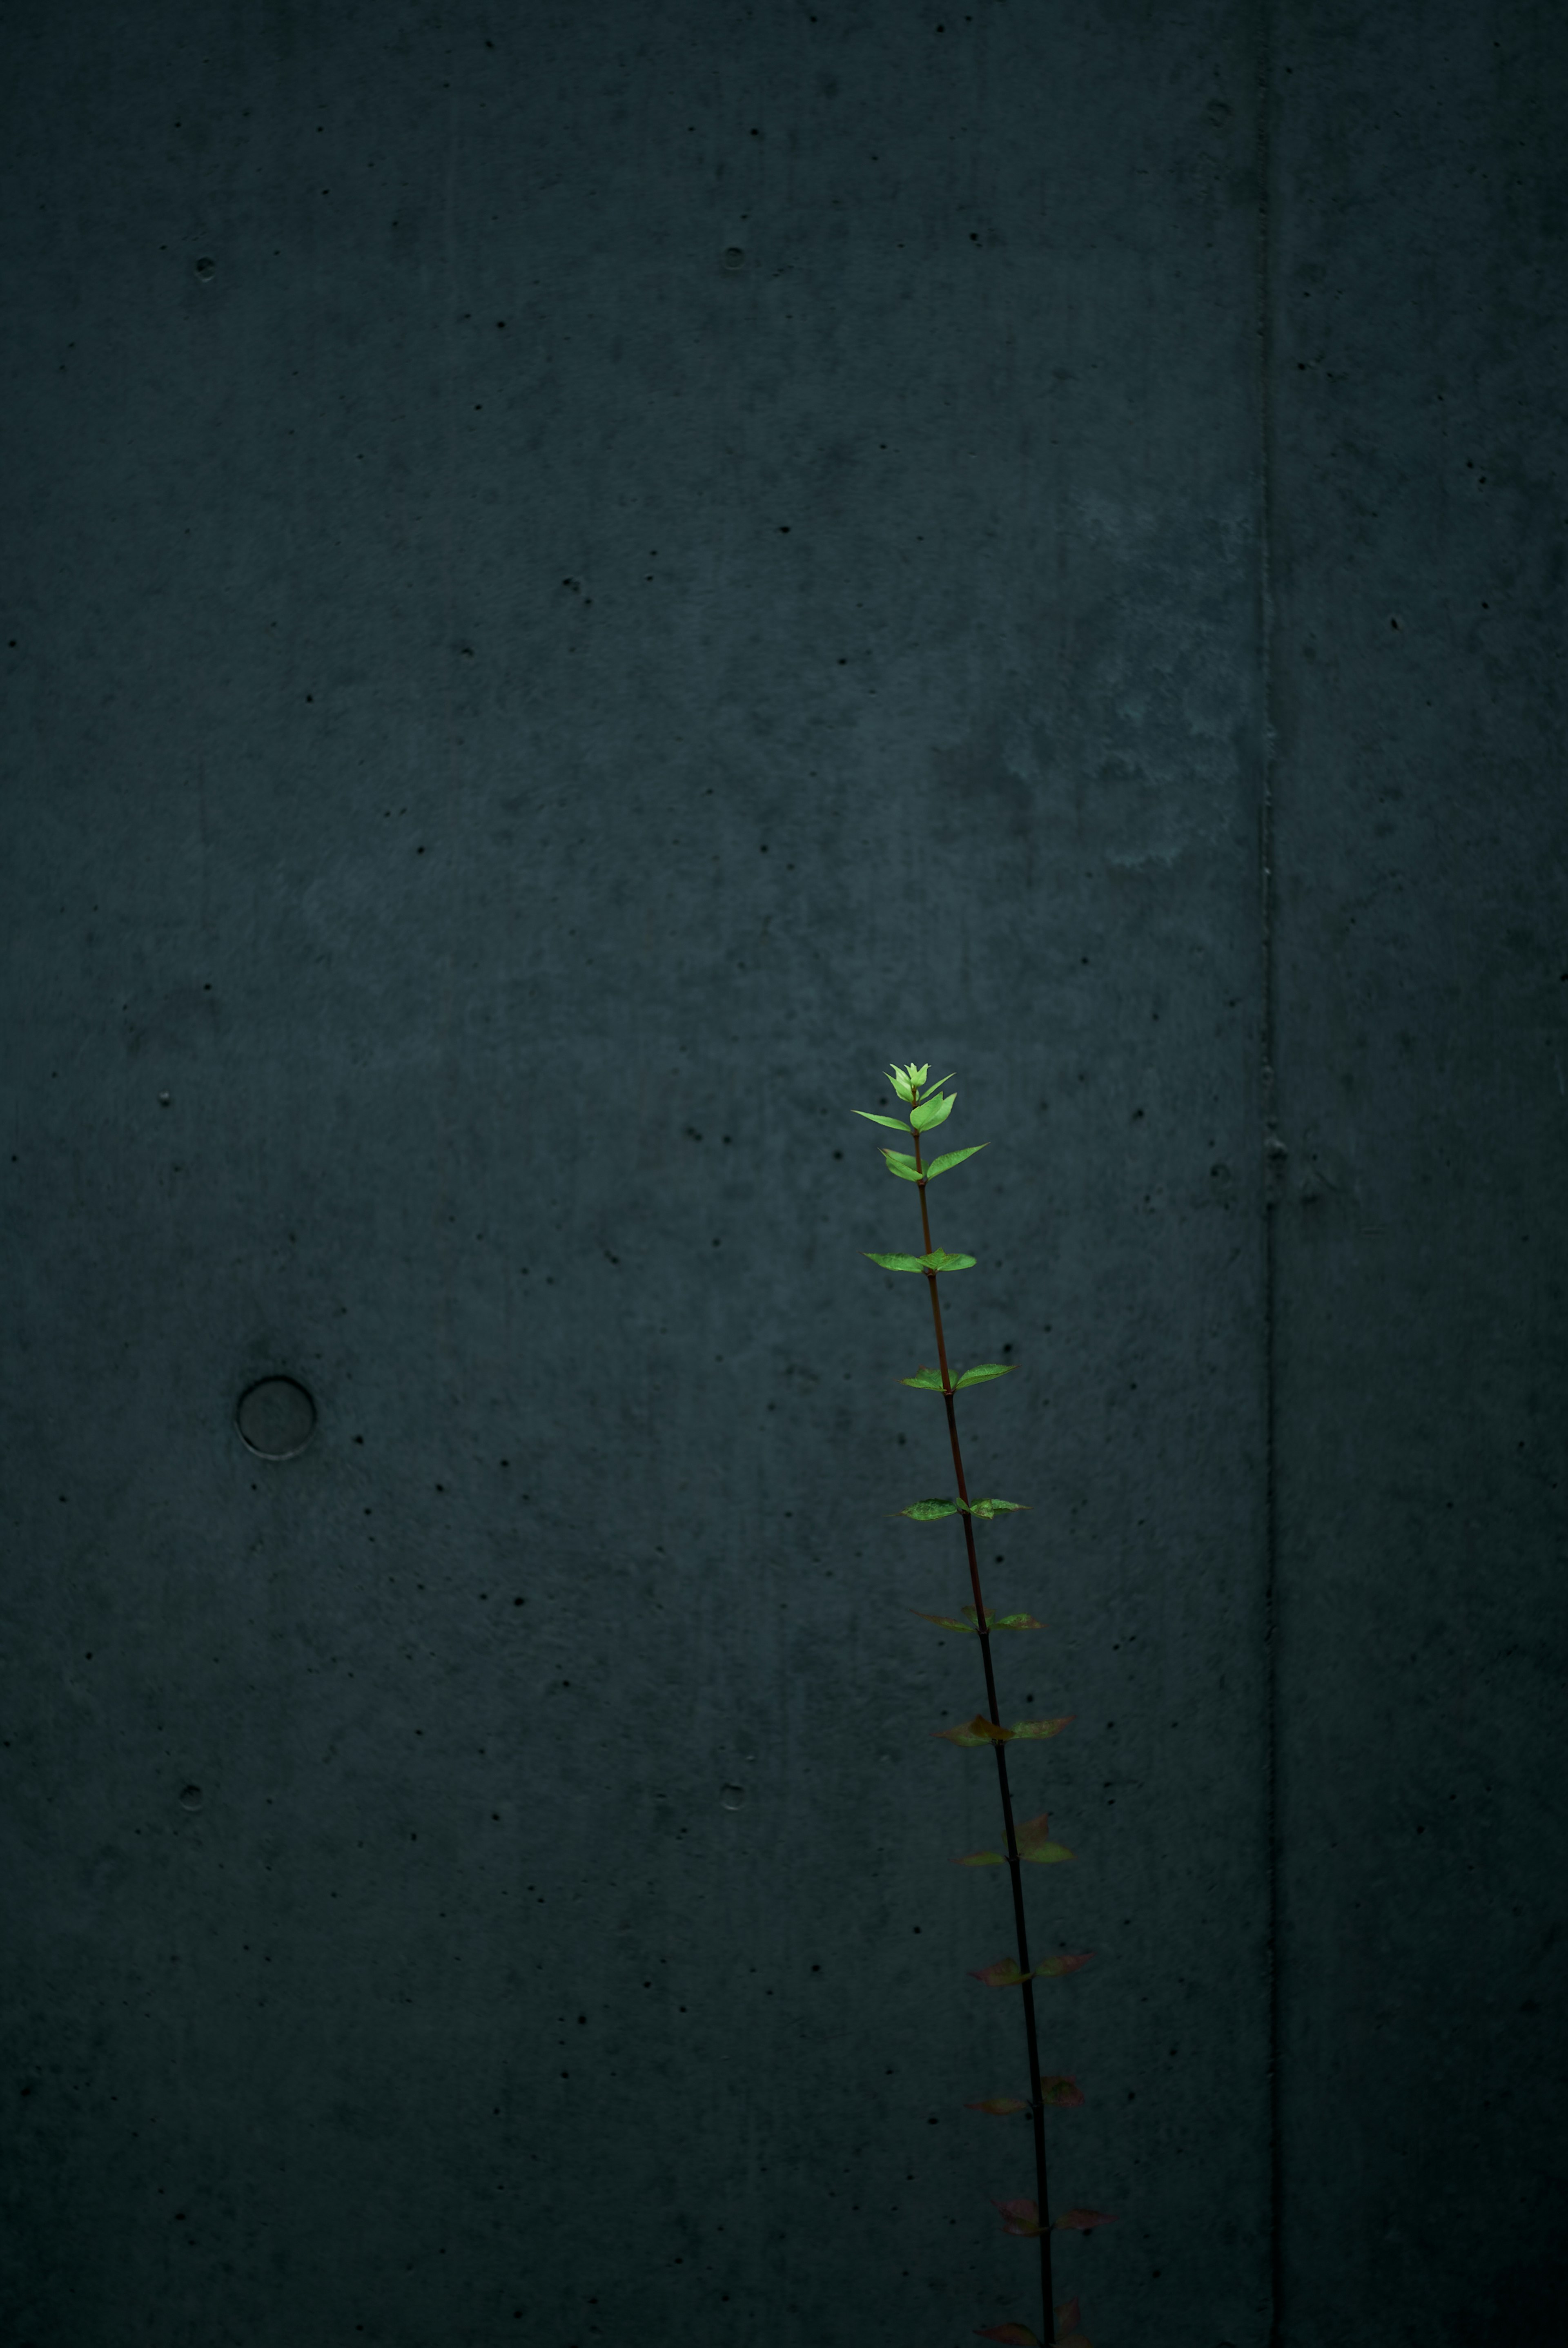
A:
[1034,1842]
[1000,2106]
[1002,1974]
[1071,2340]
[979,1731]
[1064,2093]
[1012,2335]
[1067,2323]
[1081,2221]
[1020,2217]
[986,1509]
[972,1621]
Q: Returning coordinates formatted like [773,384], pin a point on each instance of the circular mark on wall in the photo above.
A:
[731,1797]
[276,1417]
[191,1797]
[205,268]
[733,257]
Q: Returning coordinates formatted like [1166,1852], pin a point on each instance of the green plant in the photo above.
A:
[1024,1842]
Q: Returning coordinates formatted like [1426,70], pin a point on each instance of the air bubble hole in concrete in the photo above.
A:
[276,1418]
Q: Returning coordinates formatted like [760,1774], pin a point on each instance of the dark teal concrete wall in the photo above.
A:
[580,579]
[1419,511]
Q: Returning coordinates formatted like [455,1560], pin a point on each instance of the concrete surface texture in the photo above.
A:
[578,579]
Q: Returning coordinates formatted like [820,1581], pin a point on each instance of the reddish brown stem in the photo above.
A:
[1015,1866]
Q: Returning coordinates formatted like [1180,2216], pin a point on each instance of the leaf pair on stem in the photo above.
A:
[899,1161]
[1019,2335]
[981,1731]
[934,1261]
[1031,1840]
[1022,2217]
[1065,2094]
[934,1381]
[926,1512]
[972,1621]
[1004,1973]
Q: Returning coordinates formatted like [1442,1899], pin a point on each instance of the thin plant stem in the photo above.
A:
[1015,1866]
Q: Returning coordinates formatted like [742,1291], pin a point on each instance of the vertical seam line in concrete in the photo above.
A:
[1270,1144]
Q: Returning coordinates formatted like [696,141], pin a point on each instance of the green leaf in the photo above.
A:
[986,1509]
[951,1158]
[904,1166]
[1014,1622]
[982,1858]
[1039,1728]
[1065,2095]
[935,1109]
[984,1370]
[896,1262]
[926,1376]
[900,1083]
[925,1512]
[939,1260]
[1001,2107]
[900,1124]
